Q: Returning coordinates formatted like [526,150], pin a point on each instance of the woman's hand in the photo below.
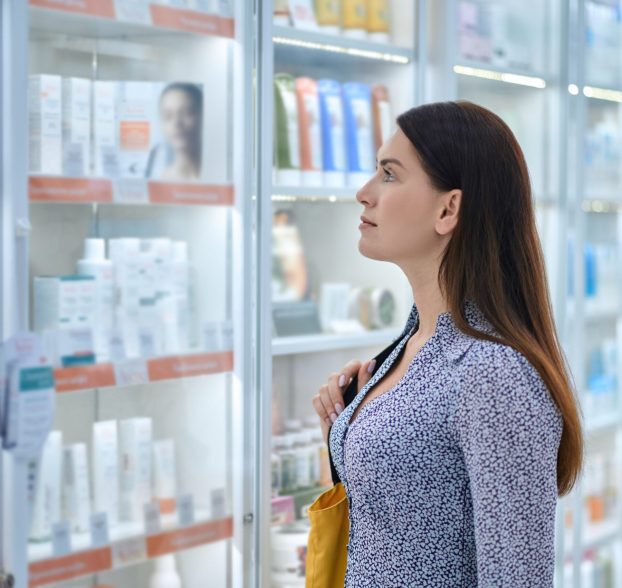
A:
[328,403]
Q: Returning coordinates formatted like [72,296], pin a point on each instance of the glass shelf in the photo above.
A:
[59,189]
[328,342]
[127,547]
[98,18]
[293,44]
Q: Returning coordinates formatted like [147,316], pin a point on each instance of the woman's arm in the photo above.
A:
[509,429]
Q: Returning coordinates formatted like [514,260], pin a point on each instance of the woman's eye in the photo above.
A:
[387,176]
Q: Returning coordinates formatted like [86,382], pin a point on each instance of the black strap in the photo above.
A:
[352,390]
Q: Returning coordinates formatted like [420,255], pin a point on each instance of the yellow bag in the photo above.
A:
[327,548]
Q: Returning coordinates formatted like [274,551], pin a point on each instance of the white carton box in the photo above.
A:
[76,127]
[45,122]
[105,147]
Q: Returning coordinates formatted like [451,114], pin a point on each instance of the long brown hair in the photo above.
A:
[494,256]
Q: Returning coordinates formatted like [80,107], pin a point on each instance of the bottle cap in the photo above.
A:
[166,563]
[94,249]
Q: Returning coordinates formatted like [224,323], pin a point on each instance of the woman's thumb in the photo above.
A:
[365,373]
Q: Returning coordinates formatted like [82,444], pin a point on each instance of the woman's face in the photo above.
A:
[180,120]
[411,219]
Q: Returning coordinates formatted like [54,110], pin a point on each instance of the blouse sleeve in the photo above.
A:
[509,429]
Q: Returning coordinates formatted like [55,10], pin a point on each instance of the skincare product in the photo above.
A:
[355,18]
[180,272]
[358,127]
[287,148]
[310,132]
[383,122]
[333,142]
[328,15]
[105,147]
[281,13]
[333,303]
[69,346]
[45,124]
[106,470]
[136,126]
[63,302]
[302,14]
[76,491]
[165,574]
[135,481]
[76,126]
[96,265]
[378,23]
[47,504]
[164,476]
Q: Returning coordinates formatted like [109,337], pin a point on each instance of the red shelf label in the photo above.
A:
[172,541]
[83,377]
[61,189]
[69,566]
[191,21]
[170,368]
[103,8]
[166,193]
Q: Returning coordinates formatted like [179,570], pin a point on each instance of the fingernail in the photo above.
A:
[338,408]
[342,379]
[333,417]
[371,366]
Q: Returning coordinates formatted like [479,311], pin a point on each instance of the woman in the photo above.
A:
[454,451]
[181,118]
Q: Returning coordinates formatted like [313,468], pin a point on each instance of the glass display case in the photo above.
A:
[133,291]
[181,269]
[341,74]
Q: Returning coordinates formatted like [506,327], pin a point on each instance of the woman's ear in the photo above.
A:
[448,212]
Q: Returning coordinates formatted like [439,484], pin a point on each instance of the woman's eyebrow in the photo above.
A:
[384,162]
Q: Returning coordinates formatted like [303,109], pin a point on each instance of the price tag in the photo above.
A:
[61,539]
[152,518]
[131,372]
[185,510]
[131,191]
[129,551]
[99,529]
[219,503]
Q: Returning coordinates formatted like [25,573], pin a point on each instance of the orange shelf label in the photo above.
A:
[191,21]
[60,189]
[84,377]
[169,368]
[166,193]
[69,566]
[172,541]
[103,8]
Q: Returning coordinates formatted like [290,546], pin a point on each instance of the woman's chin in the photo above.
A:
[367,251]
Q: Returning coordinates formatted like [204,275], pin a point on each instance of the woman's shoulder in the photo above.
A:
[497,373]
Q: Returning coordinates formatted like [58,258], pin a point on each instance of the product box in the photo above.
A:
[76,126]
[105,147]
[45,124]
[136,127]
[64,302]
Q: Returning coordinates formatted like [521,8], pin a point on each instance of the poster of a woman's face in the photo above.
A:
[180,111]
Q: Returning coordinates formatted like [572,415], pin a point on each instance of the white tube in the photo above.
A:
[135,447]
[47,495]
[76,487]
[106,470]
[164,478]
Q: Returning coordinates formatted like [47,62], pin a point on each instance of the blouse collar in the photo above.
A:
[455,342]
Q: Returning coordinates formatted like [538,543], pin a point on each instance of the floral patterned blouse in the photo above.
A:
[451,475]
